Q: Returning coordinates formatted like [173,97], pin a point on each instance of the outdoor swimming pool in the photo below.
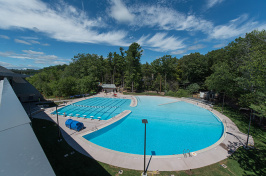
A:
[105,108]
[173,126]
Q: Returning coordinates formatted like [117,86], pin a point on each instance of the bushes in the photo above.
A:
[170,93]
[179,93]
[182,93]
[193,88]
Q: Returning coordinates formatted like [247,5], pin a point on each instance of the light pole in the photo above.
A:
[59,133]
[145,121]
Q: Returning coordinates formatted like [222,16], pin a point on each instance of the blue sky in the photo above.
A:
[38,33]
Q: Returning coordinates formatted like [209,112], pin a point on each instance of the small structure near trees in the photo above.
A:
[109,88]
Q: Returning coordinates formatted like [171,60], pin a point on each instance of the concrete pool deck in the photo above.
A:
[229,142]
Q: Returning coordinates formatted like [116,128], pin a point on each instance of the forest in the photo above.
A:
[236,71]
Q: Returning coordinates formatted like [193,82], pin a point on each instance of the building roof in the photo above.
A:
[22,87]
[21,153]
[108,86]
[7,73]
[9,101]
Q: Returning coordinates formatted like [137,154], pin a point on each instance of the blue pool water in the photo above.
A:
[105,108]
[171,128]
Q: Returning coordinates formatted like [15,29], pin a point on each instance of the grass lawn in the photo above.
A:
[242,162]
[253,161]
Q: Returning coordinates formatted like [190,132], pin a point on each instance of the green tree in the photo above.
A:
[148,75]
[222,80]
[169,70]
[67,86]
[133,66]
[193,88]
[86,84]
[194,68]
[253,72]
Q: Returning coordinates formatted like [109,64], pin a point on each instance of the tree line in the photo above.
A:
[237,71]
[25,71]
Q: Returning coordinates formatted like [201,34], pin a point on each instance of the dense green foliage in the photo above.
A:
[238,71]
[25,71]
[180,93]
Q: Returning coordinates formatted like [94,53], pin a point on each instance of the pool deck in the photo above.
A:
[229,142]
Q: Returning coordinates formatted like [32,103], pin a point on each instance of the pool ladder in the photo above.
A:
[186,152]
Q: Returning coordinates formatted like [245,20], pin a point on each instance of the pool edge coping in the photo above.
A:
[109,122]
[221,139]
[115,158]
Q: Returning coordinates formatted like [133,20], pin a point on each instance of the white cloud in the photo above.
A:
[34,42]
[161,42]
[211,3]
[30,42]
[143,39]
[178,52]
[29,38]
[5,54]
[32,52]
[7,65]
[62,22]
[22,41]
[166,18]
[234,28]
[20,66]
[4,37]
[262,27]
[120,12]
[219,45]
[194,47]
[37,57]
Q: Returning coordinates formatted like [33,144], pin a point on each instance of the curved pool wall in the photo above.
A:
[101,131]
[172,128]
[105,108]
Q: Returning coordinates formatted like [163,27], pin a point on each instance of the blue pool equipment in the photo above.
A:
[74,125]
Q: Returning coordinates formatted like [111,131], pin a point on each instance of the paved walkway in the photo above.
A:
[229,142]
